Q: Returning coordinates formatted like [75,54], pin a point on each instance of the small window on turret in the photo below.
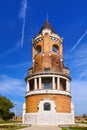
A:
[38,49]
[47,70]
[55,48]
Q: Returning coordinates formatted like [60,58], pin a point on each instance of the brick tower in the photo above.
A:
[48,98]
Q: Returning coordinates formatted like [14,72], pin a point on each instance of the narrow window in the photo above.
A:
[47,70]
[47,107]
[55,48]
[38,49]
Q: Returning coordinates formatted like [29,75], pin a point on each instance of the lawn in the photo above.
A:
[6,122]
[11,125]
[75,128]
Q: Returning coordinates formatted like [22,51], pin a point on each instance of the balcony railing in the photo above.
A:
[64,72]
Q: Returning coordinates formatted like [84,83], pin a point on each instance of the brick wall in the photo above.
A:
[47,59]
[63,103]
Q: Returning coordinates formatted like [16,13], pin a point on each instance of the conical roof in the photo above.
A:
[46,25]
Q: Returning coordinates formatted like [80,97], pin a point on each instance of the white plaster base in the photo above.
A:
[48,118]
[51,117]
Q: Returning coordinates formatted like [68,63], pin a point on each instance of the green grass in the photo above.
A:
[84,122]
[75,128]
[11,127]
[81,122]
[63,128]
[5,122]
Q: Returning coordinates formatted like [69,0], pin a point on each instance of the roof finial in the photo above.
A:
[46,26]
[47,16]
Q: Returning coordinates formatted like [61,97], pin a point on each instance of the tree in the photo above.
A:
[5,106]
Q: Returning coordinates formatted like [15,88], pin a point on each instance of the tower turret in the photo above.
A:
[48,81]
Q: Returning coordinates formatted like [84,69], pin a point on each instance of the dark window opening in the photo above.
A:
[31,85]
[47,70]
[38,49]
[47,107]
[63,84]
[47,82]
[57,62]
[46,85]
[55,48]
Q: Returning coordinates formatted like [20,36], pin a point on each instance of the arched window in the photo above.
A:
[55,48]
[38,49]
[47,106]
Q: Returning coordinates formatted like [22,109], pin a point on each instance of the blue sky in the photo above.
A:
[20,21]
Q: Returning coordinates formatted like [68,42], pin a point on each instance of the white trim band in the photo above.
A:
[48,75]
[37,92]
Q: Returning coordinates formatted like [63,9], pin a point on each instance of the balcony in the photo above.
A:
[63,72]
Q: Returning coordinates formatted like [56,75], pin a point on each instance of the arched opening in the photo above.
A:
[55,48]
[47,106]
[38,49]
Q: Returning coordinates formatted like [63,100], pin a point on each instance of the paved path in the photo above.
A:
[42,128]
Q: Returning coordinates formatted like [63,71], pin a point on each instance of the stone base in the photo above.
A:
[48,118]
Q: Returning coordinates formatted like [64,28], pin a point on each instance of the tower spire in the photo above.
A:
[46,25]
[47,16]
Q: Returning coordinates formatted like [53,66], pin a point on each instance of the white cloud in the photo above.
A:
[22,15]
[18,65]
[79,40]
[83,74]
[77,62]
[10,86]
[14,89]
[78,67]
[79,95]
[18,107]
[10,51]
[79,89]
